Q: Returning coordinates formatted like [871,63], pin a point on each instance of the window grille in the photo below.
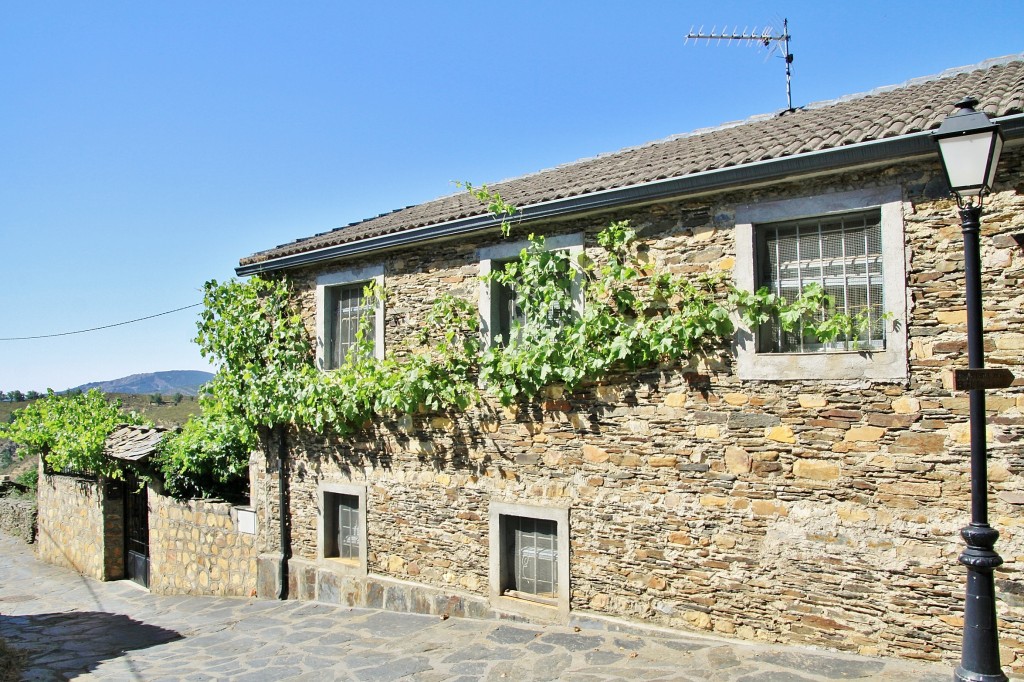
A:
[531,556]
[509,313]
[343,538]
[843,254]
[348,305]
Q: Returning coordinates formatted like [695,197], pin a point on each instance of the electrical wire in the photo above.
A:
[94,329]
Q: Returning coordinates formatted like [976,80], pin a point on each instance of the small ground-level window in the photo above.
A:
[342,532]
[341,526]
[529,565]
[531,548]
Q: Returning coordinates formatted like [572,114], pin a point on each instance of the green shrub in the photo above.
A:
[29,479]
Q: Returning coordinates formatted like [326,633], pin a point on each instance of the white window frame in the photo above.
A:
[340,278]
[324,489]
[497,568]
[887,364]
[491,257]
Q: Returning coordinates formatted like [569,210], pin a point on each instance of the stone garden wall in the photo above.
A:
[815,512]
[196,547]
[80,526]
[18,518]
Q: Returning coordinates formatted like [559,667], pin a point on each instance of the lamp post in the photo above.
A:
[969,145]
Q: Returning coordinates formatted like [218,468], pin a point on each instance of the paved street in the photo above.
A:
[75,627]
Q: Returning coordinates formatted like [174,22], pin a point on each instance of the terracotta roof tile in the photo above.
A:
[918,105]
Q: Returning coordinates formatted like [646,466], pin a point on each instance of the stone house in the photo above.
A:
[798,494]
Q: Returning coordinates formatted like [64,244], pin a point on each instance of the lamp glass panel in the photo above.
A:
[966,159]
[998,149]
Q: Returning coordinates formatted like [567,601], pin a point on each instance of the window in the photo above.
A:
[498,309]
[843,255]
[530,560]
[507,314]
[341,535]
[850,243]
[347,306]
[341,526]
[531,550]
[341,305]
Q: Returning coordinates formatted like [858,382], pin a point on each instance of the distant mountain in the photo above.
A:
[183,381]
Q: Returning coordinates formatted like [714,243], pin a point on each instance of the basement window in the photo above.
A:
[530,547]
[530,560]
[341,526]
[342,534]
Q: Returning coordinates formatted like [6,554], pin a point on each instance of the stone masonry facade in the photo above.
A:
[803,511]
[196,548]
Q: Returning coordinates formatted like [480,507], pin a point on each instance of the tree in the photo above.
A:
[33,395]
[16,396]
[177,398]
[255,334]
[68,431]
[206,457]
[156,399]
[29,479]
[263,381]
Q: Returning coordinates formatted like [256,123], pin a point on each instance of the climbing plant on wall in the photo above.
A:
[635,315]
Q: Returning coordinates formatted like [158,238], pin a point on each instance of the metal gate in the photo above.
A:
[136,536]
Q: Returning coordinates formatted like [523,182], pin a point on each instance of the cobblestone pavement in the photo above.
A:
[76,627]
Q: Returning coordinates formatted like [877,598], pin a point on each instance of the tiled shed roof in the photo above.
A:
[916,106]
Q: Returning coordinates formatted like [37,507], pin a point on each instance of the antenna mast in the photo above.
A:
[764,37]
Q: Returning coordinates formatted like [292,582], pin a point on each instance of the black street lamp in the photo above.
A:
[969,144]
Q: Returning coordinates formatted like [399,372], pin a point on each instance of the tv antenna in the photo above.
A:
[764,37]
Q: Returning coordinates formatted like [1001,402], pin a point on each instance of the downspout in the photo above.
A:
[282,483]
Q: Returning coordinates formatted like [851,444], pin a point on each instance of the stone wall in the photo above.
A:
[80,525]
[817,512]
[313,580]
[18,518]
[196,548]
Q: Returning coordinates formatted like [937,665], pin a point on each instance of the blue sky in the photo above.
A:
[146,147]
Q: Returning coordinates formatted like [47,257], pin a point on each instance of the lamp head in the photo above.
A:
[969,146]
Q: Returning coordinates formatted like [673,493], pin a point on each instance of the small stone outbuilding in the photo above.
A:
[111,529]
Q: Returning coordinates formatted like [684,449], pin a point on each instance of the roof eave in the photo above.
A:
[901,148]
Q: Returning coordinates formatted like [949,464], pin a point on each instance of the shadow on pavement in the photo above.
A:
[63,645]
